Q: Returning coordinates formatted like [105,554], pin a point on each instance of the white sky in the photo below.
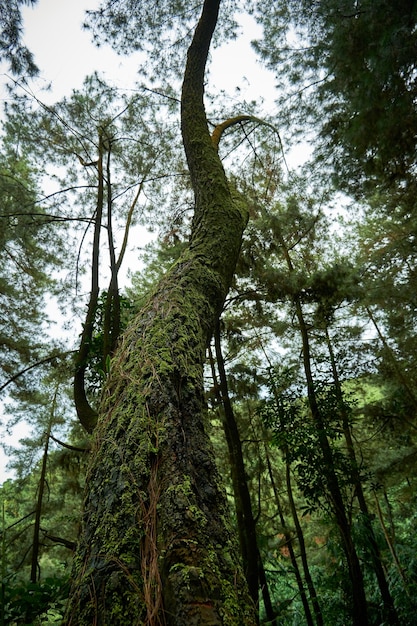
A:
[63,50]
[65,55]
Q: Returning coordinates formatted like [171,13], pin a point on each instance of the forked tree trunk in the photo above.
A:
[156,545]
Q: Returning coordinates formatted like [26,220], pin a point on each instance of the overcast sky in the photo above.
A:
[65,55]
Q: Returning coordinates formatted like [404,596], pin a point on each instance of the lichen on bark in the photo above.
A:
[157,546]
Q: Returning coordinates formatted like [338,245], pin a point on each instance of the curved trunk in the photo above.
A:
[156,546]
[85,412]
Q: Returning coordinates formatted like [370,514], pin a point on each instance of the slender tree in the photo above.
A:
[359,613]
[289,539]
[374,552]
[246,521]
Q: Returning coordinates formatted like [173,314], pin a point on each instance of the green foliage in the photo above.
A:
[35,604]
[287,414]
[347,71]
[12,48]
[27,264]
[165,28]
[97,371]
[351,70]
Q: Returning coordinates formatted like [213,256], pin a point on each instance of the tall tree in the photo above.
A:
[156,545]
[291,227]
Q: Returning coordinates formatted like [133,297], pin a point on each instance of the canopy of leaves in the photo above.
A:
[348,69]
[27,262]
[353,68]
[161,30]
[12,50]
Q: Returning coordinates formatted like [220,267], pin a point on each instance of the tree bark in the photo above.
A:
[359,604]
[156,545]
[34,570]
[85,412]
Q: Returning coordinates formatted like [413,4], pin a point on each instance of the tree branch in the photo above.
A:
[67,445]
[239,119]
[30,367]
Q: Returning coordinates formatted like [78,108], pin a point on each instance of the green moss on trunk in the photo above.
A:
[156,528]
[157,546]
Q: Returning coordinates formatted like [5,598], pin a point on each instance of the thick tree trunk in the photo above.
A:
[156,546]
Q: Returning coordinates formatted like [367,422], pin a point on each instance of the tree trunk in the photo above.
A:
[85,412]
[358,597]
[374,552]
[289,538]
[156,546]
[34,570]
[390,544]
[359,604]
[303,552]
[400,374]
[246,521]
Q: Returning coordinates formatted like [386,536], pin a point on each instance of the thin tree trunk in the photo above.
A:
[156,545]
[252,560]
[85,412]
[266,596]
[3,567]
[374,552]
[38,511]
[391,545]
[402,379]
[359,605]
[303,552]
[359,608]
[111,317]
[240,487]
[289,539]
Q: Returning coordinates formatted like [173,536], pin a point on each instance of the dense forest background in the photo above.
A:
[310,376]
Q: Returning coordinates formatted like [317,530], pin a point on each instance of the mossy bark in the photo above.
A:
[156,545]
